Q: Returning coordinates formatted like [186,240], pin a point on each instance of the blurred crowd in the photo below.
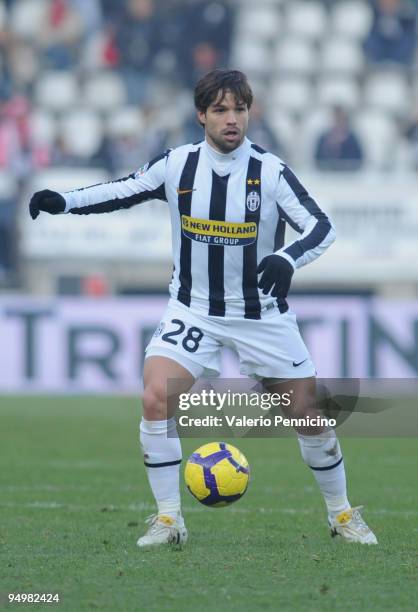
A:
[158,49]
[108,83]
[154,46]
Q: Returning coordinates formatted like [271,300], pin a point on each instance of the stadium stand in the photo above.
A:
[351,19]
[341,56]
[56,90]
[306,19]
[296,56]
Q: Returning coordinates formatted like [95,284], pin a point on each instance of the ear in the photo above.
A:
[201,117]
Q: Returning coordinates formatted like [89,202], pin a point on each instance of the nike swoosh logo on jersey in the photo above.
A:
[184,191]
[295,365]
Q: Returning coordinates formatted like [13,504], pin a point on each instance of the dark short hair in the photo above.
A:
[221,80]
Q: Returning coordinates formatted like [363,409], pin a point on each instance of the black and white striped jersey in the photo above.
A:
[228,211]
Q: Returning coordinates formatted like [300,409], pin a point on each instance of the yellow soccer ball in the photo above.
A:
[217,474]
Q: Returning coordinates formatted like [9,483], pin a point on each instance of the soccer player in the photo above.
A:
[229,202]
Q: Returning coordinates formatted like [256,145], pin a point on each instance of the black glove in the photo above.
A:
[277,273]
[47,200]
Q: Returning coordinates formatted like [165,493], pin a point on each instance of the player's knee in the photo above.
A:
[305,411]
[302,407]
[154,402]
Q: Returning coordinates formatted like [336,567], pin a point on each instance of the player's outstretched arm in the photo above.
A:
[46,200]
[148,183]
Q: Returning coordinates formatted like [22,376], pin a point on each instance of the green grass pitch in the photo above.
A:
[73,497]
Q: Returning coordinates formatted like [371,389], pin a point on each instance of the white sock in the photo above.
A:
[323,455]
[162,457]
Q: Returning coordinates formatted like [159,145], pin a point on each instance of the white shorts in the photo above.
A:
[270,347]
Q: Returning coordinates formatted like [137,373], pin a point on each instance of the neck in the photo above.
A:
[225,155]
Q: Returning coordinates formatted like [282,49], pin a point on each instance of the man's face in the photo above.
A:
[226,122]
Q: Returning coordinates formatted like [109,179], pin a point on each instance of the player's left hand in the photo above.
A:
[277,273]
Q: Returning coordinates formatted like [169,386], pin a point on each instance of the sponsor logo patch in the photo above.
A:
[221,233]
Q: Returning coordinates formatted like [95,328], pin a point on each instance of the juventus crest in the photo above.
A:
[253,201]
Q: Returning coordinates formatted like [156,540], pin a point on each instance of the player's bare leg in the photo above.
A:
[322,453]
[162,450]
